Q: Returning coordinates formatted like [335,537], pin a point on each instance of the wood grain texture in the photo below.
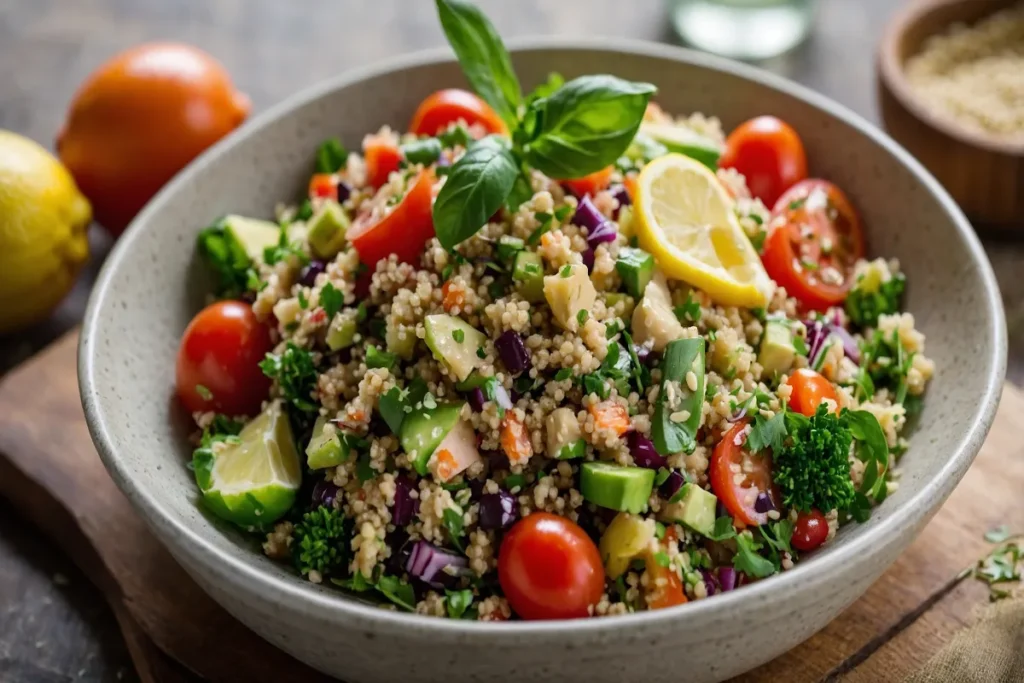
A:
[56,478]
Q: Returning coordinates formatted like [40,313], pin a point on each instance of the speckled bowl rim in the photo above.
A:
[280,591]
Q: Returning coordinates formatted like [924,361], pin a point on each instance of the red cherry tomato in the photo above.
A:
[810,530]
[445,107]
[401,231]
[665,586]
[809,390]
[814,241]
[549,568]
[739,497]
[769,153]
[590,184]
[323,186]
[382,156]
[218,360]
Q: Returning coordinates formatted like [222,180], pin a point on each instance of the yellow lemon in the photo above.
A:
[43,223]
[685,218]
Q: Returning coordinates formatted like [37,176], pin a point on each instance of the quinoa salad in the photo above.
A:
[548,355]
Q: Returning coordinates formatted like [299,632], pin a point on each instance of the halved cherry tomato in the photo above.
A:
[590,184]
[218,360]
[738,477]
[323,186]
[769,153]
[445,107]
[814,241]
[382,156]
[810,530]
[549,568]
[809,390]
[665,588]
[402,231]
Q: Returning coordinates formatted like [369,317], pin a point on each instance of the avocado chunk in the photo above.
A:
[400,339]
[684,140]
[695,509]
[424,429]
[508,248]
[654,322]
[568,292]
[454,342]
[341,333]
[636,268]
[616,487]
[327,229]
[777,351]
[564,438]
[252,234]
[326,448]
[528,273]
[456,452]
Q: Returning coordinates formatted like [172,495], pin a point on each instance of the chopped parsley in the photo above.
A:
[453,523]
[459,336]
[689,311]
[566,271]
[582,316]
[331,300]
[563,374]
[375,358]
[296,375]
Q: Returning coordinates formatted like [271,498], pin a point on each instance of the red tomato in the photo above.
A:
[549,568]
[445,107]
[667,592]
[590,184]
[220,352]
[810,530]
[814,241]
[756,470]
[769,153]
[809,390]
[382,156]
[402,231]
[323,186]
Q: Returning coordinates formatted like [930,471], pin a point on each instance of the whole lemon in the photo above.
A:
[43,223]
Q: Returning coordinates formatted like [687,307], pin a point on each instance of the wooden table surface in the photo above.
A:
[54,626]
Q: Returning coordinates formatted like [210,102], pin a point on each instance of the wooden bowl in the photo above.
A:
[984,173]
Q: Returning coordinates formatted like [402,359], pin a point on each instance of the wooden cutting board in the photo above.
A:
[50,471]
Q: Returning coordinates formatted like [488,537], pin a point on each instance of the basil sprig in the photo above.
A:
[564,130]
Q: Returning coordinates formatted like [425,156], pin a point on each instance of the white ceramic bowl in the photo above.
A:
[151,285]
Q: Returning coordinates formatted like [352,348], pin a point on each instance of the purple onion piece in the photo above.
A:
[476,488]
[497,461]
[497,510]
[763,503]
[308,276]
[513,351]
[605,232]
[850,346]
[477,399]
[435,567]
[405,505]
[671,486]
[344,191]
[588,259]
[621,194]
[324,494]
[710,582]
[643,452]
[739,415]
[501,397]
[726,578]
[817,333]
[642,352]
[587,216]
[398,541]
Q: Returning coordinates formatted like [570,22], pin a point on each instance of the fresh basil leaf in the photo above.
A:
[331,155]
[670,433]
[869,435]
[477,186]
[521,192]
[585,125]
[482,56]
[392,408]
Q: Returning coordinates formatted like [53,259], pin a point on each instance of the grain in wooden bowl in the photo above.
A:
[951,88]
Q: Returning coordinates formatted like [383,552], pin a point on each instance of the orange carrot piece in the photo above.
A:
[610,415]
[515,440]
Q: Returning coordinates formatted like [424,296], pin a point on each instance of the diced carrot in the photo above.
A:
[610,415]
[590,184]
[382,157]
[452,297]
[323,186]
[515,440]
[665,588]
[670,535]
[445,464]
[629,181]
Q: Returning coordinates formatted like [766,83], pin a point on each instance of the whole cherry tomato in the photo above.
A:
[769,153]
[810,530]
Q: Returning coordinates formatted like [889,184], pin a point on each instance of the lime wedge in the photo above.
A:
[251,480]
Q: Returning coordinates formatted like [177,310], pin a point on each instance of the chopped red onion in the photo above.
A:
[513,351]
[739,415]
[324,494]
[497,510]
[588,259]
[710,582]
[763,503]
[621,194]
[850,346]
[671,486]
[308,276]
[643,452]
[501,397]
[435,567]
[405,505]
[587,216]
[344,191]
[605,232]
[726,578]
[477,399]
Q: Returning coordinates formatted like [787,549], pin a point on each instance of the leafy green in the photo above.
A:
[357,582]
[672,435]
[453,523]
[397,591]
[283,250]
[457,602]
[364,471]
[872,448]
[331,300]
[375,358]
[318,541]
[865,304]
[227,258]
[767,433]
[1001,566]
[887,362]
[616,368]
[477,186]
[456,135]
[998,535]
[585,125]
[424,151]
[482,56]
[331,155]
[295,374]
[777,536]
[689,312]
[724,529]
[747,559]
[812,468]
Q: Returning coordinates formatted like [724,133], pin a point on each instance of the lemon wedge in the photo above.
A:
[684,217]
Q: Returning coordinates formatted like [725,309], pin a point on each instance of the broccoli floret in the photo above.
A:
[319,542]
[812,469]
[873,295]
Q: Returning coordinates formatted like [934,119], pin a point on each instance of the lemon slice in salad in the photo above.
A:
[685,218]
[251,479]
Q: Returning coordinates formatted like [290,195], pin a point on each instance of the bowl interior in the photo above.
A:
[152,283]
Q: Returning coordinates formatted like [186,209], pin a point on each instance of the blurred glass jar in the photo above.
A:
[742,29]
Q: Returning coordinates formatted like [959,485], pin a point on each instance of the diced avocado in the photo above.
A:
[725,353]
[654,321]
[400,339]
[777,351]
[325,449]
[568,292]
[508,247]
[685,140]
[454,342]
[424,429]
[636,268]
[327,229]
[616,487]
[625,538]
[528,271]
[341,333]
[695,509]
[626,222]
[253,234]
[456,452]
[564,438]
